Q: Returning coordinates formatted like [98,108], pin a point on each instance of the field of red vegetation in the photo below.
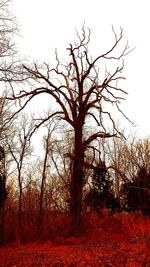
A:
[110,240]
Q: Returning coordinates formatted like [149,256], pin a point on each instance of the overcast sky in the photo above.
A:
[46,25]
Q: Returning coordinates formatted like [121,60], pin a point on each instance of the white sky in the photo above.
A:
[49,24]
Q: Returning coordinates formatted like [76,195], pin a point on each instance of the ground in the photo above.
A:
[117,240]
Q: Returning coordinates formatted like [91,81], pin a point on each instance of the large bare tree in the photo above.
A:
[86,94]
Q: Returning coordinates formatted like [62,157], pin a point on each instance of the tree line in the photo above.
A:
[85,162]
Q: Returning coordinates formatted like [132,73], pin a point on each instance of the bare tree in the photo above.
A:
[48,141]
[7,52]
[8,28]
[84,99]
[20,148]
[5,111]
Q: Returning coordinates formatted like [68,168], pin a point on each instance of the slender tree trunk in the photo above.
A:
[19,233]
[2,214]
[20,216]
[40,219]
[40,222]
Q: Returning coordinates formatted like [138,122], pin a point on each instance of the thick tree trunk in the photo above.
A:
[77,179]
[76,188]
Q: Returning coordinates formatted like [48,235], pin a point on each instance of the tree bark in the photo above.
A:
[40,223]
[77,178]
[20,216]
[2,222]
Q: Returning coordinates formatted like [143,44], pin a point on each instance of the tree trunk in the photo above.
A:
[19,233]
[77,179]
[2,214]
[40,219]
[20,217]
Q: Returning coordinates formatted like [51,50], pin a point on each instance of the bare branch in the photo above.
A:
[97,135]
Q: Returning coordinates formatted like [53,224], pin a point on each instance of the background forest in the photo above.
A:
[83,162]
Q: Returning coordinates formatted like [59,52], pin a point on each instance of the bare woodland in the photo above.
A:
[87,162]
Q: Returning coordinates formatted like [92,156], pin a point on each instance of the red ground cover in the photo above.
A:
[109,240]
